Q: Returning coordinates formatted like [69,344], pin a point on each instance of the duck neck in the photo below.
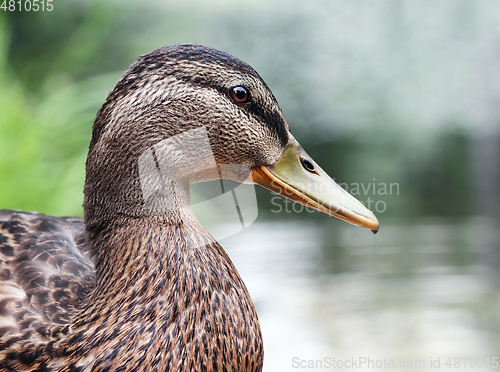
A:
[137,256]
[168,294]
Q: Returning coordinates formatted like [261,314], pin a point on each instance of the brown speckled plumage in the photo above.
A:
[130,288]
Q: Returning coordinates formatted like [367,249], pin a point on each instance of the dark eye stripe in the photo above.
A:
[270,118]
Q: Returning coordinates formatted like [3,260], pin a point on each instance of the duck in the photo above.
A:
[138,284]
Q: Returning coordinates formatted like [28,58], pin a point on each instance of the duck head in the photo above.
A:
[190,113]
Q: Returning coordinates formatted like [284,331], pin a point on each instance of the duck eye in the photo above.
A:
[308,165]
[239,95]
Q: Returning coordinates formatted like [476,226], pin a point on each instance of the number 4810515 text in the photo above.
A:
[27,5]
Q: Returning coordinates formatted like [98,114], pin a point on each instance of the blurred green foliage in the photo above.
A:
[47,110]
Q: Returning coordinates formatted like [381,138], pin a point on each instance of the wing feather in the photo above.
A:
[46,272]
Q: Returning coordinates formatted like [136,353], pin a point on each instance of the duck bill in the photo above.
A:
[312,188]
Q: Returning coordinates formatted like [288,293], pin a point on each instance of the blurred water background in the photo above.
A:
[398,100]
